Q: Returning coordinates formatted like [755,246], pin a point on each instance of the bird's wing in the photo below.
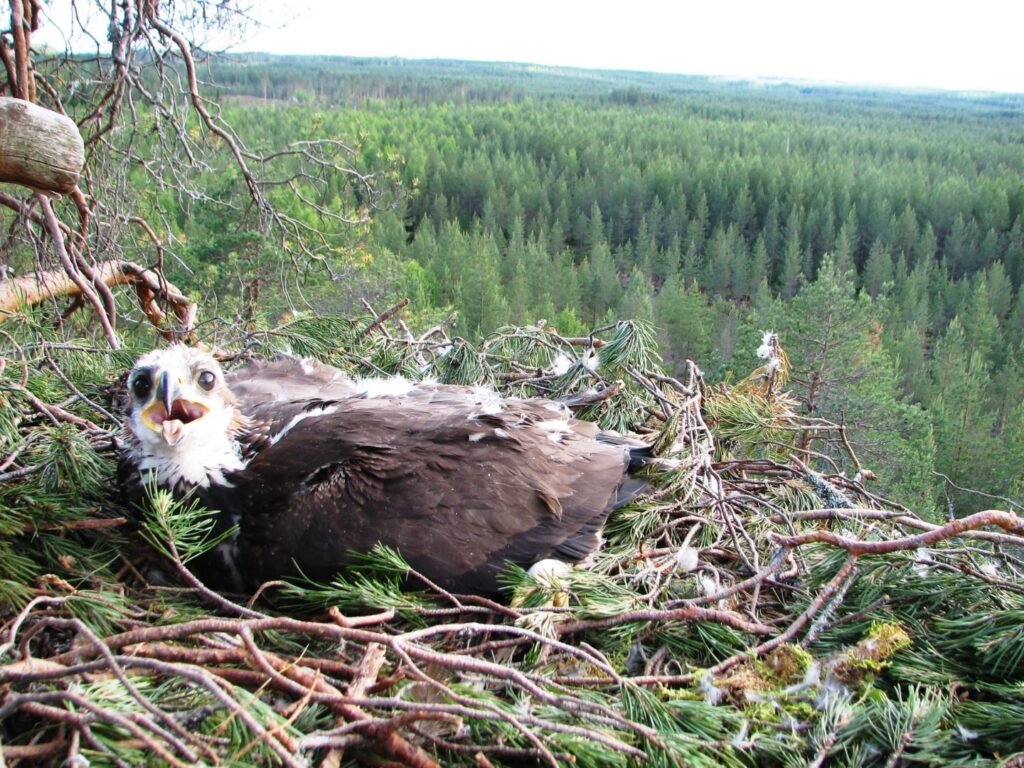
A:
[286,378]
[458,487]
[271,393]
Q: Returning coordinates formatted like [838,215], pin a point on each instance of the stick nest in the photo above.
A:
[761,605]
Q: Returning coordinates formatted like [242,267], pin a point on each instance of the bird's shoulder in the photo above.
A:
[277,396]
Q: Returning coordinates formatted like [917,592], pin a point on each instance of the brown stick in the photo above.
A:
[7,56]
[381,319]
[207,657]
[592,398]
[21,50]
[390,743]
[86,290]
[1005,520]
[42,751]
[56,413]
[88,524]
[96,712]
[687,613]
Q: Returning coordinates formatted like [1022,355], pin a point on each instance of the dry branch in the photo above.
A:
[28,290]
[1006,520]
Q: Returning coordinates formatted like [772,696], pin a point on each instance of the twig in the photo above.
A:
[686,613]
[89,524]
[1005,520]
[381,319]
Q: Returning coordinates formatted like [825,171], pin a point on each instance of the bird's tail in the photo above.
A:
[640,453]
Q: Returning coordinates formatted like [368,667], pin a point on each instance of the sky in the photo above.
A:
[948,44]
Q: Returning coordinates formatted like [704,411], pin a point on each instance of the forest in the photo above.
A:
[807,300]
[879,233]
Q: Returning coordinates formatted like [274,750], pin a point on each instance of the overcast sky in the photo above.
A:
[974,45]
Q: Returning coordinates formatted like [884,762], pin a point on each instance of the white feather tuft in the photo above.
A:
[766,350]
[687,559]
[550,572]
[561,364]
[395,386]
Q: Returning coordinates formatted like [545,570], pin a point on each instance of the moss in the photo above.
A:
[871,655]
[890,637]
[749,677]
[788,664]
[763,711]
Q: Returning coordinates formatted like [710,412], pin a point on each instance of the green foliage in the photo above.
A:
[180,529]
[843,372]
[66,460]
[374,580]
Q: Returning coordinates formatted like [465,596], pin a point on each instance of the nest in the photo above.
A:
[761,605]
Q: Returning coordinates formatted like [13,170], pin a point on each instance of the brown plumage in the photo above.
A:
[460,481]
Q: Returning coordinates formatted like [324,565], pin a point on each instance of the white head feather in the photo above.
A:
[195,442]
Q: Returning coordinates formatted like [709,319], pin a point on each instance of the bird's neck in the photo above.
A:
[194,462]
[203,458]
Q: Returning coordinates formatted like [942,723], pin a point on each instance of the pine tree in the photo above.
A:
[1013,452]
[718,264]
[743,213]
[599,281]
[1015,323]
[1000,291]
[637,300]
[962,417]
[960,248]
[685,320]
[480,296]
[771,231]
[926,246]
[910,356]
[758,271]
[792,259]
[878,270]
[905,233]
[842,372]
[980,325]
[845,248]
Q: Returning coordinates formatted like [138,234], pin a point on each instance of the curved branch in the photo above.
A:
[1006,520]
[84,288]
[18,292]
[197,103]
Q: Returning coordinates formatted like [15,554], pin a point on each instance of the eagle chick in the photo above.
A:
[315,467]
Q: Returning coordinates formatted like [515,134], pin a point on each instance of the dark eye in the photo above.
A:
[142,385]
[206,380]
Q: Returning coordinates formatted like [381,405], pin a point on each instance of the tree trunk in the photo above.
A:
[39,148]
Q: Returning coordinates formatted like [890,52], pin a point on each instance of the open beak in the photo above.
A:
[169,413]
[166,391]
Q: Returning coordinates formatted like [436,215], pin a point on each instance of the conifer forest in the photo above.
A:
[808,299]
[880,234]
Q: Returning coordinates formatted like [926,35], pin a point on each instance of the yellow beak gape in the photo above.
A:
[147,415]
